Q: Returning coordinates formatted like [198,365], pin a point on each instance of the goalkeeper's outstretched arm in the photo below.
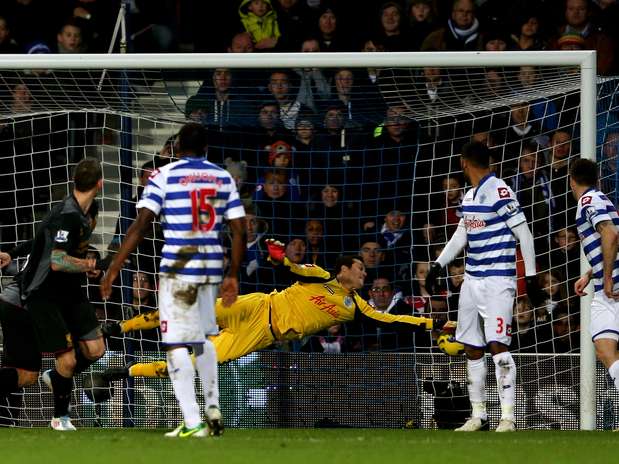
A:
[366,313]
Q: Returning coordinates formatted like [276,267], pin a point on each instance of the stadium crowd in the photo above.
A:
[329,165]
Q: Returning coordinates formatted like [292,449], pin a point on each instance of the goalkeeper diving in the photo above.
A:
[316,301]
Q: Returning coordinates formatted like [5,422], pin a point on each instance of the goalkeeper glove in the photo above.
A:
[277,250]
[536,295]
[433,273]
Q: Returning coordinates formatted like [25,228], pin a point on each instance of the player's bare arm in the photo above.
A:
[230,285]
[609,242]
[63,262]
[582,282]
[135,234]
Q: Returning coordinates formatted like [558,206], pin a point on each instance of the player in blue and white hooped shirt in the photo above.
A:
[492,221]
[192,196]
[598,227]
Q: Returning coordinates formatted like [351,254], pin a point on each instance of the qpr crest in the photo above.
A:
[348,302]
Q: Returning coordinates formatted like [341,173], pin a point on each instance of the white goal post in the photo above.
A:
[585,60]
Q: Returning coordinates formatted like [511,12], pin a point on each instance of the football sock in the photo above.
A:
[82,362]
[206,364]
[505,371]
[613,370]
[182,375]
[152,369]
[8,380]
[62,387]
[476,371]
[145,321]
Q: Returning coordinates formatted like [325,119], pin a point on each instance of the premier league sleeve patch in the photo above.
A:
[62,236]
[586,200]
[503,192]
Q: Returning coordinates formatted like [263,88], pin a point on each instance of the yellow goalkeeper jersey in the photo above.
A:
[317,301]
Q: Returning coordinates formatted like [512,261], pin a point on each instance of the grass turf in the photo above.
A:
[298,446]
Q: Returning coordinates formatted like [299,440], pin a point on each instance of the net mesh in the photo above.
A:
[333,162]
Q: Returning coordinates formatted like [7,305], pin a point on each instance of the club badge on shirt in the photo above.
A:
[62,236]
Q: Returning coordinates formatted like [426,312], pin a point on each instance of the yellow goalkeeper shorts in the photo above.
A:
[244,327]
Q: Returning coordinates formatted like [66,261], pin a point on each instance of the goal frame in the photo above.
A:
[584,59]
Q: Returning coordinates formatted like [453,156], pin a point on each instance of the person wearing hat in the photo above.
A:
[421,14]
[577,21]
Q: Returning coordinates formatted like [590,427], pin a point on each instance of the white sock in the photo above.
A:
[613,370]
[206,364]
[476,370]
[182,373]
[505,370]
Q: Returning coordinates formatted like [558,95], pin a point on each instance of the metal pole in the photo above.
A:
[588,97]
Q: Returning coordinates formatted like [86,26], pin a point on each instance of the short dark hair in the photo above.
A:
[86,174]
[192,139]
[477,153]
[584,172]
[345,261]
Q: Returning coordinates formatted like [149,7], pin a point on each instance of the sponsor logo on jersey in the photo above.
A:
[62,236]
[503,192]
[474,223]
[586,200]
[321,303]
[200,177]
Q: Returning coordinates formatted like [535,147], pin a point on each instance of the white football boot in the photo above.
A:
[473,424]
[62,424]
[506,425]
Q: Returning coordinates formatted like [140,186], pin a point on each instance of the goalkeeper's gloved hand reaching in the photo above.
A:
[277,250]
[433,274]
[536,295]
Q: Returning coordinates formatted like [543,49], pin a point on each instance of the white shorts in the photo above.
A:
[604,317]
[485,311]
[186,311]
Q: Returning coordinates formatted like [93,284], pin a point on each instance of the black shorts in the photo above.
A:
[59,323]
[20,348]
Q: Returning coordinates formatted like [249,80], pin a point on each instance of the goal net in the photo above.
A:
[357,155]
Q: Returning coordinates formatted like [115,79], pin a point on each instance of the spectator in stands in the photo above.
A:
[532,188]
[371,251]
[432,85]
[69,38]
[496,39]
[560,155]
[393,157]
[393,29]
[332,340]
[527,34]
[372,45]
[521,128]
[608,165]
[289,108]
[292,17]
[329,36]
[256,274]
[455,272]
[260,21]
[577,21]
[460,33]
[316,249]
[528,336]
[446,208]
[227,104]
[565,255]
[421,20]
[295,250]
[396,234]
[241,43]
[30,20]
[277,202]
[386,298]
[541,108]
[7,43]
[314,87]
[339,218]
[554,284]
[565,329]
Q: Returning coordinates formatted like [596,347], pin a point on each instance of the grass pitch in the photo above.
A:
[299,446]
